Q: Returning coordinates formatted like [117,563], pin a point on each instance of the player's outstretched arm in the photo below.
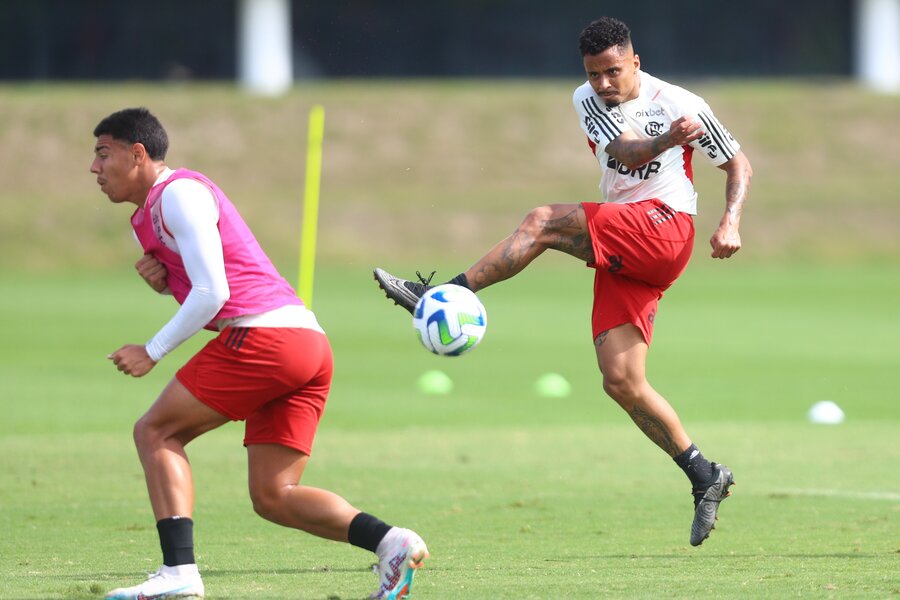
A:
[633,152]
[726,240]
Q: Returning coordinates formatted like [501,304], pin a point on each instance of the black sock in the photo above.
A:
[460,279]
[176,536]
[367,531]
[695,466]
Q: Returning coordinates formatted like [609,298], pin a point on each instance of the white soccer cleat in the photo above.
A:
[400,553]
[182,581]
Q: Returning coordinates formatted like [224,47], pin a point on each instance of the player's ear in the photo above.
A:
[637,61]
[138,153]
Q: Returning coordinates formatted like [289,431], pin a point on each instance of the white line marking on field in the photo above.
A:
[893,496]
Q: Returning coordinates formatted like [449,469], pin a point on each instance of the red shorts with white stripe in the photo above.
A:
[276,379]
[641,248]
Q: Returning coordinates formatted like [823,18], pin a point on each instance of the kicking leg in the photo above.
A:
[561,227]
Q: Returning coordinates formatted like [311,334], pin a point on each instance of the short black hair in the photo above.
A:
[136,125]
[604,33]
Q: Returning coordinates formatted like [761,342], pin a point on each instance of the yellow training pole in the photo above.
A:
[311,203]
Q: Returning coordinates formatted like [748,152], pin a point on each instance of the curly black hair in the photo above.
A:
[136,125]
[604,33]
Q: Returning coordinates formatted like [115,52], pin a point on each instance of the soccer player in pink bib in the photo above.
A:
[270,364]
[644,133]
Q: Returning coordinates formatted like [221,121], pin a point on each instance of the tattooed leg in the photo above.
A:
[622,357]
[655,429]
[560,227]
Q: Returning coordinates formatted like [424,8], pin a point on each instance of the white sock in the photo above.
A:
[387,539]
[190,570]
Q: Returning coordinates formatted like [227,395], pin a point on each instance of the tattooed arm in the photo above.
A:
[726,240]
[632,151]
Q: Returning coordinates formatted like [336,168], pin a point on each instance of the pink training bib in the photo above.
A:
[256,286]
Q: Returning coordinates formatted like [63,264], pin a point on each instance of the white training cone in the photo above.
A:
[825,412]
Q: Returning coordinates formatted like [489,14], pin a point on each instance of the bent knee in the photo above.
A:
[145,433]
[540,213]
[557,226]
[267,503]
[547,218]
[536,220]
[264,506]
[622,388]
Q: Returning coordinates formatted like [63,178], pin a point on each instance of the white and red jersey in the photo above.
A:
[669,176]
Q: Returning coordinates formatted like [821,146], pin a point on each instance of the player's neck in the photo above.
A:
[150,179]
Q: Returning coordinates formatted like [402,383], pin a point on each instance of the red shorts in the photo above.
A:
[641,248]
[277,379]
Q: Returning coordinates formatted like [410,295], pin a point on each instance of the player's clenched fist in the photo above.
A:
[153,272]
[725,241]
[133,360]
[685,130]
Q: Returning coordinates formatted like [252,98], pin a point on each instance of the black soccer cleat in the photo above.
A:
[706,503]
[402,291]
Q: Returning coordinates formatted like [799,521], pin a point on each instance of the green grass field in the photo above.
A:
[518,496]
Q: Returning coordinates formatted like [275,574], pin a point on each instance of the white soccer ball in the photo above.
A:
[449,319]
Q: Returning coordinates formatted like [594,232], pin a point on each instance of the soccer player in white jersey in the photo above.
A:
[644,133]
[270,364]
